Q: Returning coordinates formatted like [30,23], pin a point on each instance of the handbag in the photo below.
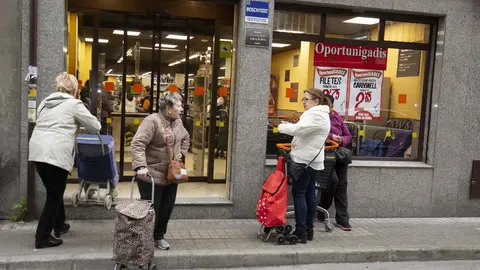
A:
[177,172]
[296,170]
[343,155]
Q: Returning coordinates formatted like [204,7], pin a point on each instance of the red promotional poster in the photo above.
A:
[333,81]
[365,94]
[350,56]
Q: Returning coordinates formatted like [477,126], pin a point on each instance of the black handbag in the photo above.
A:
[343,155]
[295,170]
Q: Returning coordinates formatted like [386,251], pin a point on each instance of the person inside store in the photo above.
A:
[51,147]
[150,158]
[107,109]
[85,95]
[143,104]
[338,188]
[307,156]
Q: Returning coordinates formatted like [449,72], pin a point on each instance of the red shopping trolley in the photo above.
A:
[272,208]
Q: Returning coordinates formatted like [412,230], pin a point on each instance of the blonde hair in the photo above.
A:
[67,83]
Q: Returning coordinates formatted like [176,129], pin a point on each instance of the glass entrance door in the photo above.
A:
[174,55]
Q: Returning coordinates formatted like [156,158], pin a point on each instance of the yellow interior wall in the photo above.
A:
[84,60]
[410,86]
[72,54]
[303,74]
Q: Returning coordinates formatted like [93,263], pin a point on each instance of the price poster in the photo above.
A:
[365,94]
[333,81]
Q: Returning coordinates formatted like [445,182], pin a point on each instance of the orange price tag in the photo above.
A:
[199,90]
[172,88]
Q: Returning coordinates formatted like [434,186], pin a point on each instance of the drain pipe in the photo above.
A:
[32,84]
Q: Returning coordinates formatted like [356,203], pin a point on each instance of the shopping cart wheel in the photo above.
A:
[328,227]
[288,229]
[75,199]
[280,239]
[292,239]
[119,267]
[108,201]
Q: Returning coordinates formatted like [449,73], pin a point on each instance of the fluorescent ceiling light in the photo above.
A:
[194,56]
[120,75]
[361,37]
[129,52]
[190,75]
[183,60]
[130,33]
[178,37]
[109,71]
[100,40]
[363,20]
[224,39]
[120,60]
[170,46]
[223,67]
[280,45]
[171,50]
[290,31]
[174,63]
[146,73]
[221,78]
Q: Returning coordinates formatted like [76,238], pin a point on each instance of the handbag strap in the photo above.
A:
[315,156]
[166,139]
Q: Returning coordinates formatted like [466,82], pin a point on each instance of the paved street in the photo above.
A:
[440,265]
[234,243]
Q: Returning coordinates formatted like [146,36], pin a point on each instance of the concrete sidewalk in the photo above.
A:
[234,243]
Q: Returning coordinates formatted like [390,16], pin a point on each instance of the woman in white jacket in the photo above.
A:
[52,149]
[310,134]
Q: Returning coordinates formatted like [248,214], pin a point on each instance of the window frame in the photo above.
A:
[428,67]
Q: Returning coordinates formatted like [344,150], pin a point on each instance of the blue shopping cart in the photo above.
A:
[97,170]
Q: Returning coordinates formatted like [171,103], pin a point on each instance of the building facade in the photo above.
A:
[428,88]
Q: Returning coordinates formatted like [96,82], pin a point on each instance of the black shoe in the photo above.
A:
[309,234]
[63,230]
[344,226]
[301,235]
[51,242]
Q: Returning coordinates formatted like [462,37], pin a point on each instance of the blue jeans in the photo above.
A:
[305,200]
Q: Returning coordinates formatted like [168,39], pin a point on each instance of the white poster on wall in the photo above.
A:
[365,94]
[333,81]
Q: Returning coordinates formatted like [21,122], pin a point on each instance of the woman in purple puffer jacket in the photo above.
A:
[338,188]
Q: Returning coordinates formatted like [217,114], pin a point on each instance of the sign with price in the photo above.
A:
[333,81]
[365,94]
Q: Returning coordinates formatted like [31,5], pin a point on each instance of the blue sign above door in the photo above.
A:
[256,12]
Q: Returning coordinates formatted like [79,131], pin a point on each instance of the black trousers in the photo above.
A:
[164,201]
[337,192]
[53,215]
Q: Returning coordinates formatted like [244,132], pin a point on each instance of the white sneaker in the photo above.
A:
[162,244]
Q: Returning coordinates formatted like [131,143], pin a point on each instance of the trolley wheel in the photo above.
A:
[293,239]
[108,201]
[91,193]
[328,227]
[288,229]
[267,230]
[75,199]
[114,194]
[119,267]
[280,239]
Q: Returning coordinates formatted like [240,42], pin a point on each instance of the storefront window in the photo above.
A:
[378,91]
[296,23]
[407,32]
[353,26]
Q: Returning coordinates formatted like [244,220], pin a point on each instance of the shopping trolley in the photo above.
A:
[285,230]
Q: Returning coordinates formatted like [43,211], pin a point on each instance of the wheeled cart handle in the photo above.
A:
[153,187]
[91,139]
[288,146]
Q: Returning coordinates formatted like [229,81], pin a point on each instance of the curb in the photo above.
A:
[244,258]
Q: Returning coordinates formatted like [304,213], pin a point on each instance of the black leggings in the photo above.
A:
[165,197]
[338,192]
[53,215]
